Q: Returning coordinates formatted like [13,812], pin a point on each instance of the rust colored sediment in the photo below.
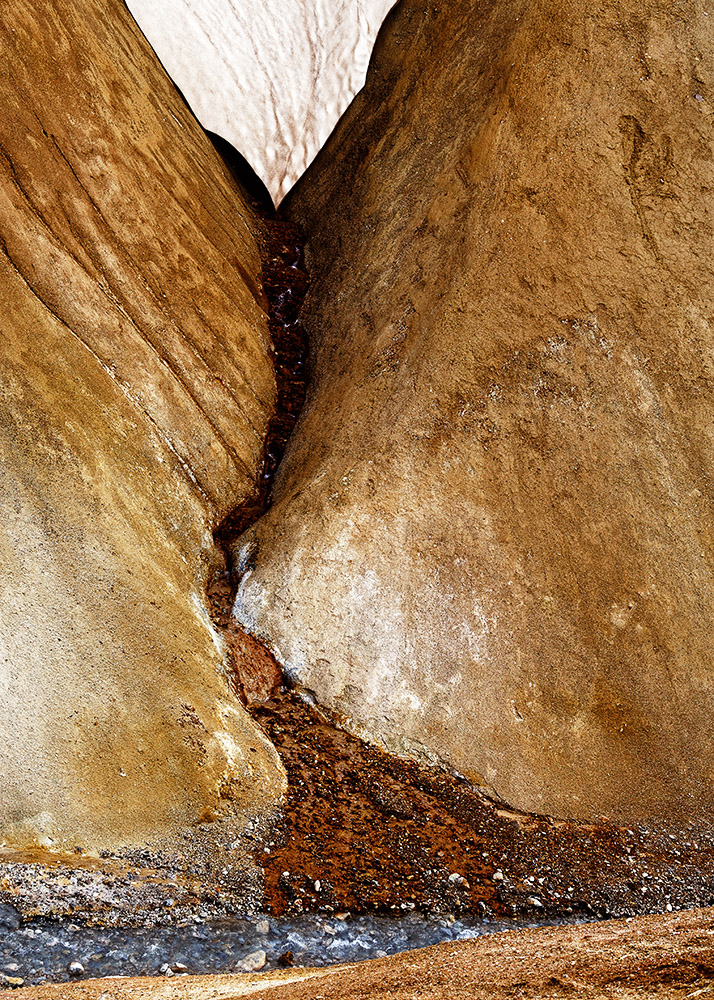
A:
[363,830]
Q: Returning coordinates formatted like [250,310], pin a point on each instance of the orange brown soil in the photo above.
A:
[660,956]
[363,830]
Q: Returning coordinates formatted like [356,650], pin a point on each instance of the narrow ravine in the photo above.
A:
[370,854]
[285,283]
[494,405]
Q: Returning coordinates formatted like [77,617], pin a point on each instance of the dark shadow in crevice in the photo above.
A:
[253,189]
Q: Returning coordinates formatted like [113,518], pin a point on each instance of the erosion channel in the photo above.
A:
[370,853]
[366,831]
[363,609]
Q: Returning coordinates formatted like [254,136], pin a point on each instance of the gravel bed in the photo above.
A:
[48,951]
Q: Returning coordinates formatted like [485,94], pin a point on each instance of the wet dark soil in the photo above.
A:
[284,284]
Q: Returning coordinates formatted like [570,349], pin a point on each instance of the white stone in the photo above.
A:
[253,962]
[271,77]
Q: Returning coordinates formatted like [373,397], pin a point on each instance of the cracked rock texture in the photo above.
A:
[270,77]
[491,536]
[136,383]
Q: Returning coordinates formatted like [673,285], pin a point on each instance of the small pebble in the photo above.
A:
[11,981]
[262,927]
[10,919]
[75,968]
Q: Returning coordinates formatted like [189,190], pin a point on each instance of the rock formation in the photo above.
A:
[491,537]
[136,384]
[271,78]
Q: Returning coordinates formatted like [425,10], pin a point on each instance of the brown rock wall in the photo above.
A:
[491,536]
[136,384]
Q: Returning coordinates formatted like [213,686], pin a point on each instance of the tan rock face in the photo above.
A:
[491,541]
[136,384]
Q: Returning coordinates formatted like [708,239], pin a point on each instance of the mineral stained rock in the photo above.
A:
[136,383]
[271,78]
[491,537]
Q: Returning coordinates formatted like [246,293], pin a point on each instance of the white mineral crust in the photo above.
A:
[270,76]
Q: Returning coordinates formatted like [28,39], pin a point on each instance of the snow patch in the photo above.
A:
[271,77]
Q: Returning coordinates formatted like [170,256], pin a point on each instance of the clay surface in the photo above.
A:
[136,386]
[662,956]
[491,536]
[271,78]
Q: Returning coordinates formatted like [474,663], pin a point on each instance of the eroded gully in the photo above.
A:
[369,854]
[366,832]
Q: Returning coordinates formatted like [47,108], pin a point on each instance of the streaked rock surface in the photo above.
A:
[271,78]
[136,383]
[491,540]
